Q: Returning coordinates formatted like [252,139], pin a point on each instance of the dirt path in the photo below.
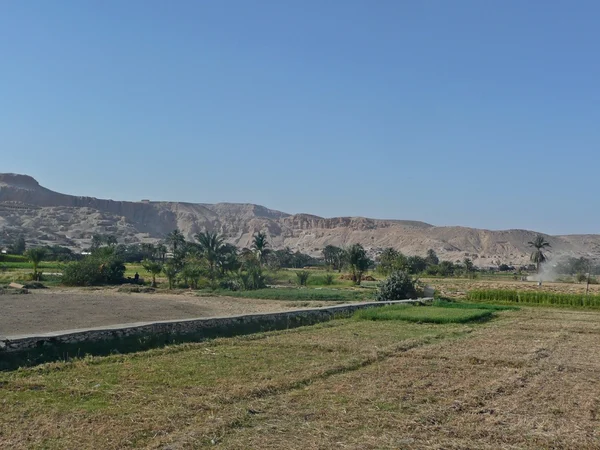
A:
[55,310]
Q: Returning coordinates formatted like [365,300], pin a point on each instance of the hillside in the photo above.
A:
[47,217]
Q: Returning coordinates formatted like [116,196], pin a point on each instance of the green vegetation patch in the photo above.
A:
[424,314]
[465,305]
[301,294]
[535,298]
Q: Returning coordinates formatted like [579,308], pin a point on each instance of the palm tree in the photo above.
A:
[537,256]
[358,261]
[170,270]
[148,250]
[154,268]
[211,247]
[228,258]
[259,245]
[175,240]
[161,251]
[469,266]
[35,256]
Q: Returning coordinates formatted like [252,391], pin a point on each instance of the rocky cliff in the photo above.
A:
[48,217]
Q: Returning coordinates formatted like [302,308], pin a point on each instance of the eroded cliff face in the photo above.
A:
[48,217]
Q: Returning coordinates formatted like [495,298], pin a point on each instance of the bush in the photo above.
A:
[231,284]
[398,286]
[328,280]
[303,276]
[93,271]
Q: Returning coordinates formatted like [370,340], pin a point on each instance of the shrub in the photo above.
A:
[93,271]
[328,280]
[398,286]
[252,279]
[231,284]
[303,276]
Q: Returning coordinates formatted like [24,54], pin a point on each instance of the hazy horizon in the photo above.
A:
[455,114]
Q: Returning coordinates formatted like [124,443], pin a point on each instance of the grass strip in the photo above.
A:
[424,314]
[464,305]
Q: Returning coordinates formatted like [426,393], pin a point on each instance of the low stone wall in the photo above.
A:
[27,350]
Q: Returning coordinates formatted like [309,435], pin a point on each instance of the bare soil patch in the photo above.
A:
[67,309]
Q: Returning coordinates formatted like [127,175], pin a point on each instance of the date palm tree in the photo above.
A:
[211,247]
[259,246]
[537,255]
[175,240]
[35,256]
[153,267]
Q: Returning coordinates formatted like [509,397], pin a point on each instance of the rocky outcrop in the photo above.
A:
[48,217]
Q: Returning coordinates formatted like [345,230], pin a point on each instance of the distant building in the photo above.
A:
[145,201]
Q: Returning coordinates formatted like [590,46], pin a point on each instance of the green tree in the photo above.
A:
[260,246]
[358,261]
[416,264]
[171,271]
[391,260]
[228,259]
[250,274]
[153,267]
[175,240]
[446,268]
[334,257]
[211,248]
[161,252]
[18,247]
[191,272]
[148,250]
[537,255]
[35,256]
[469,266]
[97,241]
[432,258]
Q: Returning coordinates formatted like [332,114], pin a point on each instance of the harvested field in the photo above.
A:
[528,379]
[55,310]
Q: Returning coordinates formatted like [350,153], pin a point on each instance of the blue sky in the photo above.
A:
[473,113]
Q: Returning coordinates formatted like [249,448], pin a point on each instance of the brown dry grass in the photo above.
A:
[529,379]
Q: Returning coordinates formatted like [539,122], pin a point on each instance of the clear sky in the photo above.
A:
[474,113]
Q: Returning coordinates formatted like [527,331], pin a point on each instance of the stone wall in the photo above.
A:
[18,351]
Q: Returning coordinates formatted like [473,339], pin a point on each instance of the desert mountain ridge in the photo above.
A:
[47,217]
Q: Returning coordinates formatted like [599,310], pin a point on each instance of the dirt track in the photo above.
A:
[55,310]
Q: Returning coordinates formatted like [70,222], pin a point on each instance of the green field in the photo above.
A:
[535,298]
[463,305]
[424,314]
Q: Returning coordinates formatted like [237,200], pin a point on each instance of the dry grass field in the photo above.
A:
[527,379]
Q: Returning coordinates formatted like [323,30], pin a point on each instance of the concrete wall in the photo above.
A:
[18,351]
